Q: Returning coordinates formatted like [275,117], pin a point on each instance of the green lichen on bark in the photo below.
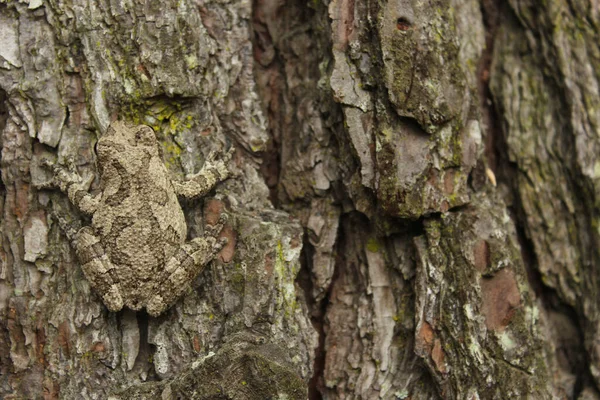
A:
[158,65]
[408,94]
[545,91]
[418,288]
[247,366]
[420,51]
[478,328]
[420,174]
[428,138]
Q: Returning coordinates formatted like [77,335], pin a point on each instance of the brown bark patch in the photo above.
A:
[212,211]
[269,264]
[433,177]
[445,206]
[98,347]
[500,298]
[142,70]
[481,255]
[424,342]
[64,336]
[210,23]
[19,354]
[21,200]
[343,12]
[295,242]
[438,356]
[51,389]
[196,344]
[228,250]
[40,343]
[449,182]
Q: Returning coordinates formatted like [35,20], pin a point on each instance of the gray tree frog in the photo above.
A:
[135,252]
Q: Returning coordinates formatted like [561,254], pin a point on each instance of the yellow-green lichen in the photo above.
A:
[373,245]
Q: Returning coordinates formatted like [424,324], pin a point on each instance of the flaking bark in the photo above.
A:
[413,212]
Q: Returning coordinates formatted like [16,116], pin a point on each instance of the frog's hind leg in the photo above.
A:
[181,269]
[98,269]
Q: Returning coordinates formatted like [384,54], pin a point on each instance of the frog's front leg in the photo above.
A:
[185,265]
[76,188]
[98,269]
[213,172]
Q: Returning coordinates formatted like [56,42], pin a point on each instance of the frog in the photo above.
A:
[135,252]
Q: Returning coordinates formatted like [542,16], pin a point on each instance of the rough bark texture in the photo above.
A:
[413,213]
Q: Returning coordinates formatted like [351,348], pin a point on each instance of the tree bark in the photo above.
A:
[413,211]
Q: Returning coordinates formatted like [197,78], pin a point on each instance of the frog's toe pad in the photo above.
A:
[113,299]
[156,306]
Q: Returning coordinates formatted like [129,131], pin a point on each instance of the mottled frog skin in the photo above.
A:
[135,252]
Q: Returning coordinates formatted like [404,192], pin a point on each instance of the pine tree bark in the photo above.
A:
[413,212]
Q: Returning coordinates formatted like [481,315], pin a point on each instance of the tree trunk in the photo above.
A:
[413,212]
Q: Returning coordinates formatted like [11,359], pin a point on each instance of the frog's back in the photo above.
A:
[141,225]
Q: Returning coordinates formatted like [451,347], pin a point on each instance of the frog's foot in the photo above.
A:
[70,182]
[216,163]
[225,157]
[182,269]
[214,230]
[63,175]
[98,269]
[220,166]
[213,171]
[68,225]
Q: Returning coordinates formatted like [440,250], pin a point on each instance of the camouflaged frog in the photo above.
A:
[135,252]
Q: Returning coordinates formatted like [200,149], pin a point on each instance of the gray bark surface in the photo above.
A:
[413,211]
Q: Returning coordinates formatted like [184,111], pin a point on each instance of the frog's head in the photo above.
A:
[124,140]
